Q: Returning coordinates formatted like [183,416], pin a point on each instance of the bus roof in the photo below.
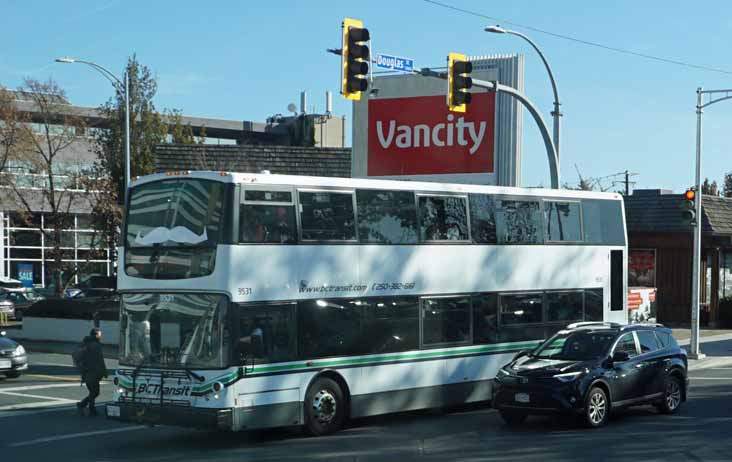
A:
[371,183]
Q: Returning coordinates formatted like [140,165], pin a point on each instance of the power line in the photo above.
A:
[583,42]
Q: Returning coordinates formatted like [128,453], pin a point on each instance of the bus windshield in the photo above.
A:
[174,330]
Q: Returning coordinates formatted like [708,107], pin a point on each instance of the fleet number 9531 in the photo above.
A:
[245,291]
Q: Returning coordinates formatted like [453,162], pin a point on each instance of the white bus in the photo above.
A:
[256,300]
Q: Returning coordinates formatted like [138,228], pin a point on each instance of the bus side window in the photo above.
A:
[266,333]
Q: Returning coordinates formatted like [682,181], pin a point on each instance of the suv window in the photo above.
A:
[647,341]
[627,344]
[666,339]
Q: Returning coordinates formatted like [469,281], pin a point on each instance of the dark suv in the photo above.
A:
[590,369]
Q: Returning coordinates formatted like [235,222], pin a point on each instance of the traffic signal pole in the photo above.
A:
[495,86]
[695,272]
[715,96]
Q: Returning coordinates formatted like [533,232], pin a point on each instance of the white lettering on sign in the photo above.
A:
[442,134]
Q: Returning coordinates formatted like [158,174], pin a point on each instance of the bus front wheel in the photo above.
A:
[325,407]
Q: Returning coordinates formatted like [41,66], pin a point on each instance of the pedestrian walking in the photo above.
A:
[93,370]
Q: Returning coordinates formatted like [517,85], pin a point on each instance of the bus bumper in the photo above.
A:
[212,419]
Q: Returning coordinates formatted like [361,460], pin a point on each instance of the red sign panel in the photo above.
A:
[419,136]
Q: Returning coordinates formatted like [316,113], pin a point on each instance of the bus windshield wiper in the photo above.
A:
[193,375]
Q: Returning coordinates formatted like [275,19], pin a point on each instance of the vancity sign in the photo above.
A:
[419,136]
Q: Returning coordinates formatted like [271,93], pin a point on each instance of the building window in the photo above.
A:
[642,268]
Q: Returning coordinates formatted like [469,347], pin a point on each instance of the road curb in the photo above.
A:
[710,362]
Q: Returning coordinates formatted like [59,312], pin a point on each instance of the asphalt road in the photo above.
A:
[38,421]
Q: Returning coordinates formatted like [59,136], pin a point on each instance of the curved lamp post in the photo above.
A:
[715,96]
[122,88]
[556,114]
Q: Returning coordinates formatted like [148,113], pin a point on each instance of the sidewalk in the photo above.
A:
[716,344]
[36,346]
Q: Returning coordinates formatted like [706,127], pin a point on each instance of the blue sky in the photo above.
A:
[247,60]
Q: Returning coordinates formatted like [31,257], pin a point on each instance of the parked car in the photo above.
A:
[591,369]
[22,298]
[10,283]
[7,309]
[13,358]
[95,286]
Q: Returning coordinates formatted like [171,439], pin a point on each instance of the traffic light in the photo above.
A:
[458,82]
[688,213]
[355,57]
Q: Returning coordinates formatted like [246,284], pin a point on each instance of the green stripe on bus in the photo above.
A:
[232,376]
[393,357]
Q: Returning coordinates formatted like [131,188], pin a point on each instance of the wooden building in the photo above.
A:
[660,251]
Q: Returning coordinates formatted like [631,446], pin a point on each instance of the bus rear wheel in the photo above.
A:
[325,407]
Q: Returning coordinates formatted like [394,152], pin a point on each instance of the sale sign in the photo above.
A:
[419,136]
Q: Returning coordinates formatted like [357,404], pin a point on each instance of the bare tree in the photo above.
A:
[50,133]
[12,139]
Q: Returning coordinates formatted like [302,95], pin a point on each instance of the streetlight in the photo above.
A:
[122,88]
[715,97]
[556,113]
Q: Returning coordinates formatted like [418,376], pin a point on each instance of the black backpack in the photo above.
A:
[78,356]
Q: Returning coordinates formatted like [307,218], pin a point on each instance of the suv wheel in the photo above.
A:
[513,417]
[672,394]
[597,408]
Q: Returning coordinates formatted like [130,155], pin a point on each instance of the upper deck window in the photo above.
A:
[175,213]
[173,227]
[443,218]
[563,221]
[519,222]
[327,216]
[603,221]
[483,219]
[387,217]
[267,217]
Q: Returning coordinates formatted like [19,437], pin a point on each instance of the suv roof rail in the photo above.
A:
[645,324]
[575,325]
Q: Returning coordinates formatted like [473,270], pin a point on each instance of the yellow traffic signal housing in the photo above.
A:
[688,208]
[458,82]
[355,57]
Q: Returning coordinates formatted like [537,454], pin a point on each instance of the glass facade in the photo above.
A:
[27,250]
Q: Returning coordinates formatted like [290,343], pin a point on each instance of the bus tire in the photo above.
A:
[325,407]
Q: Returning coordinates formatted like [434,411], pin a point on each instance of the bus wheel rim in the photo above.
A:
[324,405]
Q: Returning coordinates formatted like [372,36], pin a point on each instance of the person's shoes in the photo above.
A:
[80,408]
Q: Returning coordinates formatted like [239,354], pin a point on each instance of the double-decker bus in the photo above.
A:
[257,300]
